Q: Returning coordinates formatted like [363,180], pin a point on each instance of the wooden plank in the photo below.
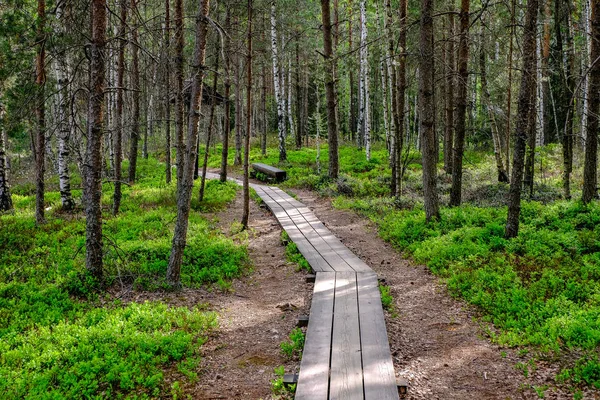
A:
[313,382]
[278,174]
[378,367]
[346,363]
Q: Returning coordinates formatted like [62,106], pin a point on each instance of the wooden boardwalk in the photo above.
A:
[346,352]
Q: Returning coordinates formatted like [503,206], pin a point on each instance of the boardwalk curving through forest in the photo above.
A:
[346,352]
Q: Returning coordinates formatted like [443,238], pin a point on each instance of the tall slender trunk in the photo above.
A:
[509,89]
[568,136]
[427,113]
[179,101]
[363,112]
[549,134]
[401,95]
[450,100]
[289,100]
[352,118]
[502,175]
[461,105]
[586,60]
[92,171]
[332,124]
[393,79]
[6,203]
[211,119]
[246,212]
[238,112]
[265,127]
[278,89]
[185,189]
[135,112]
[227,122]
[590,168]
[167,91]
[64,131]
[118,134]
[525,108]
[40,112]
[299,120]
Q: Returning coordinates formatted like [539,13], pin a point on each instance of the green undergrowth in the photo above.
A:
[292,347]
[293,254]
[62,337]
[540,289]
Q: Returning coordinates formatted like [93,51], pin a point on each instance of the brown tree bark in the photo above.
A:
[427,113]
[401,95]
[167,89]
[246,211]
[590,168]
[528,85]
[135,112]
[185,190]
[40,113]
[92,171]
[332,123]
[227,120]
[211,119]
[450,83]
[569,109]
[509,89]
[179,108]
[118,134]
[299,119]
[461,105]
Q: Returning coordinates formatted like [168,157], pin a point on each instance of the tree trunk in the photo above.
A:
[92,170]
[352,120]
[427,113]
[590,168]
[40,112]
[299,121]
[135,112]
[227,122]
[461,105]
[509,90]
[332,124]
[211,119]
[548,125]
[568,136]
[265,127]
[6,203]
[278,90]
[450,83]
[246,212]
[525,108]
[502,175]
[185,190]
[118,134]
[167,89]
[64,130]
[238,112]
[394,111]
[400,96]
[179,113]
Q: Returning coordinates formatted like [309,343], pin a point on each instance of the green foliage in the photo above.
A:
[55,339]
[105,352]
[387,301]
[294,345]
[293,254]
[279,388]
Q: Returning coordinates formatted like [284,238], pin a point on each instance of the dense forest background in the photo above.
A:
[467,130]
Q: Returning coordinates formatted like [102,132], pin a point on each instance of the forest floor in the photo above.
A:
[438,343]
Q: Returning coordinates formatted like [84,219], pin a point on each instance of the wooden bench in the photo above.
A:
[278,175]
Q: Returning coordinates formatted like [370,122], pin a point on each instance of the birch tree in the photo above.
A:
[61,69]
[363,97]
[281,130]
[6,203]
[40,112]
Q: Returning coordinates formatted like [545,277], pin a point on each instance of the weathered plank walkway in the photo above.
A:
[346,353]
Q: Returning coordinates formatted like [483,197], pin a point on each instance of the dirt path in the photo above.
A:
[254,319]
[436,345]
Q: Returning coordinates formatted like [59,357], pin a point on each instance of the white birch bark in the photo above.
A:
[585,60]
[5,197]
[277,86]
[289,99]
[61,68]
